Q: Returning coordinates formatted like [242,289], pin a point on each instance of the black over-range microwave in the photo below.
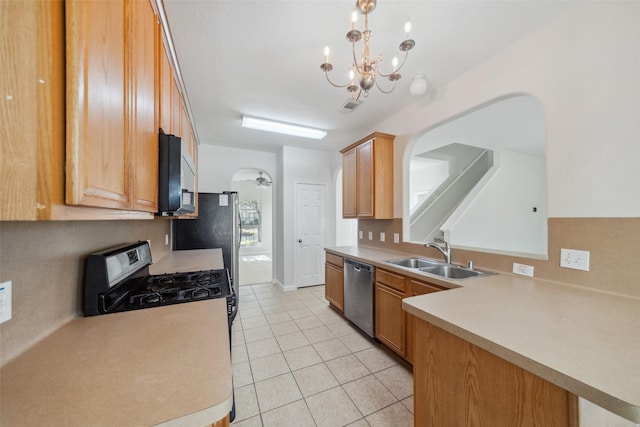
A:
[177,177]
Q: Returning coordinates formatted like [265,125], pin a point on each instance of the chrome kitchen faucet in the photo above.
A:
[446,252]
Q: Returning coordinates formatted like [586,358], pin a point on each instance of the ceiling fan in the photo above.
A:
[262,181]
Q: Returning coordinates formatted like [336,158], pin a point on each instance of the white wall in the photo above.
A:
[299,166]
[584,69]
[216,166]
[249,191]
[346,228]
[509,224]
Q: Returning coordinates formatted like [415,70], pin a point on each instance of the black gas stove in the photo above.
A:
[118,280]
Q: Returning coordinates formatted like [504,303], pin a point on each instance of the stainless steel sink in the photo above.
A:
[436,268]
[413,263]
[452,272]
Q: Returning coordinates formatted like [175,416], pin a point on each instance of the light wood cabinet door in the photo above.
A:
[349,182]
[334,285]
[364,181]
[166,77]
[32,109]
[459,384]
[176,109]
[98,148]
[367,178]
[142,117]
[390,325]
[415,287]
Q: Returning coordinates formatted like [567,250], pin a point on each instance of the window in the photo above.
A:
[251,222]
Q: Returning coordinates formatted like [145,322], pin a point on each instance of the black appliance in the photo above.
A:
[118,279]
[217,226]
[176,177]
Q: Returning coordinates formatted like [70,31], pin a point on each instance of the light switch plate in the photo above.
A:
[523,269]
[5,301]
[382,236]
[360,235]
[575,259]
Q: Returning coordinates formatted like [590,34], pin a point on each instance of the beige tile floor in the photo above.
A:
[254,268]
[298,363]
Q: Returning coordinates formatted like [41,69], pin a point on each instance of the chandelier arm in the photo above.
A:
[355,60]
[406,55]
[332,83]
[385,91]
[356,98]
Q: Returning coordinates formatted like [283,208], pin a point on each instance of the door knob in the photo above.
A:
[299,240]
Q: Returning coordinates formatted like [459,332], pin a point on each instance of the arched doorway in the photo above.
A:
[255,194]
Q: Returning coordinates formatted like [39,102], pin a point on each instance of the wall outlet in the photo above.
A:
[5,301]
[360,235]
[371,235]
[382,236]
[166,240]
[572,258]
[523,269]
[396,237]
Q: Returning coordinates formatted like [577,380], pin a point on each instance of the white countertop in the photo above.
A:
[168,366]
[585,341]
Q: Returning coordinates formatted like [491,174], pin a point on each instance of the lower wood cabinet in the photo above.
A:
[390,320]
[459,384]
[394,326]
[415,287]
[334,281]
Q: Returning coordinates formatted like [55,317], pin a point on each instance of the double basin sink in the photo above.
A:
[440,269]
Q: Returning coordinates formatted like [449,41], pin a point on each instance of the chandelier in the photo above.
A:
[368,69]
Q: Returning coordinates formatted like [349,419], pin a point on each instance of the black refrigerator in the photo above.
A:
[217,226]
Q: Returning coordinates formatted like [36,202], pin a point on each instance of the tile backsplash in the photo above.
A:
[45,262]
[614,244]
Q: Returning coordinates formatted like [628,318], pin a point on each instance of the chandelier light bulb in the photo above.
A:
[365,66]
[407,28]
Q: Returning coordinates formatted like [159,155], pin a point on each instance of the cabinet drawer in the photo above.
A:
[390,279]
[420,288]
[334,259]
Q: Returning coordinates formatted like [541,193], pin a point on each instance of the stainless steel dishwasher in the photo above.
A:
[358,294]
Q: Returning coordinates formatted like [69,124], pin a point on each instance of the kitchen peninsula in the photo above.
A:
[575,339]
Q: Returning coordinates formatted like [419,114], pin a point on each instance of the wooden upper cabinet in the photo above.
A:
[142,115]
[367,178]
[166,77]
[111,120]
[98,148]
[349,174]
[32,86]
[176,109]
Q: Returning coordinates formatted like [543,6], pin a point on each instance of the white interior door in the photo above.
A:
[311,211]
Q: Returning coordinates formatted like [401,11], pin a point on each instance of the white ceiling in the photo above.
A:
[262,58]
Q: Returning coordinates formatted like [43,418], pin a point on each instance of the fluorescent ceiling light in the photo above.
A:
[285,128]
